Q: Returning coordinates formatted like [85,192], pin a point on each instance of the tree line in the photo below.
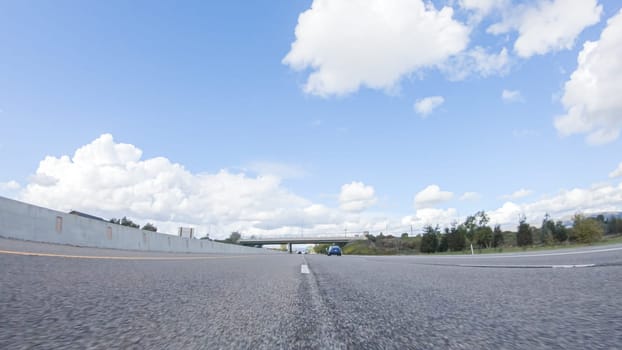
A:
[476,231]
[129,223]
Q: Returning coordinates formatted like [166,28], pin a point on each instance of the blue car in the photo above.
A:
[333,250]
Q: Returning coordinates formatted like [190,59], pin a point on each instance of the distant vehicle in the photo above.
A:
[334,250]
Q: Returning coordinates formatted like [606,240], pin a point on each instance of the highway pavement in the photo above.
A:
[77,298]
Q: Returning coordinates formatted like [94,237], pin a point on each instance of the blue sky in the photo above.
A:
[209,87]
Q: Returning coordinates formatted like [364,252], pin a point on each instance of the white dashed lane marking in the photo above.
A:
[572,266]
[304,269]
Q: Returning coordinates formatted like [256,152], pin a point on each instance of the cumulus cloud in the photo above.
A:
[356,197]
[431,196]
[590,96]
[598,198]
[518,194]
[470,196]
[560,206]
[617,172]
[9,186]
[373,43]
[483,7]
[476,61]
[110,179]
[425,106]
[511,96]
[431,216]
[548,25]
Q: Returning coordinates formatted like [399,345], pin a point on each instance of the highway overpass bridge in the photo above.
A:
[300,240]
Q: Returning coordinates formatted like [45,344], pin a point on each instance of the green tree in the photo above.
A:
[560,233]
[524,235]
[547,230]
[483,237]
[443,244]
[150,227]
[125,222]
[234,237]
[614,225]
[587,230]
[497,237]
[429,241]
[470,224]
[482,218]
[456,238]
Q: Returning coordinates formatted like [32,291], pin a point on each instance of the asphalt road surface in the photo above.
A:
[62,299]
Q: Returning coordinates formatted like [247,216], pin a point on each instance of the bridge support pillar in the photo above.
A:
[289,248]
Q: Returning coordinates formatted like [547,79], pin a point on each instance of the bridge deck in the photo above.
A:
[300,240]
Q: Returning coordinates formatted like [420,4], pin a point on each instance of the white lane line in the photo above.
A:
[533,255]
[525,266]
[12,252]
[304,269]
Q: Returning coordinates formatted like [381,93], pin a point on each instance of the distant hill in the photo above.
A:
[607,214]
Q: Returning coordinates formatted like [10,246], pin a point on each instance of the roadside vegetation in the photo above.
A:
[129,223]
[475,231]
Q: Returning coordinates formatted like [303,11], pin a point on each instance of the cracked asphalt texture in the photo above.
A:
[348,302]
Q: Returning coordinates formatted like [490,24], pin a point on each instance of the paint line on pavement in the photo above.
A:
[528,255]
[523,266]
[304,269]
[12,252]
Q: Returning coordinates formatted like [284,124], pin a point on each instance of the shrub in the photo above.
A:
[587,230]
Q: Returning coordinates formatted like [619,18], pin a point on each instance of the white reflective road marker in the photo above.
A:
[304,269]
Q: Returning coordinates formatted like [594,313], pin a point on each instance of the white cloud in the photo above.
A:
[560,206]
[470,196]
[598,198]
[9,186]
[511,96]
[548,25]
[426,105]
[356,197]
[431,216]
[590,96]
[476,61]
[374,43]
[431,196]
[482,7]
[518,194]
[111,180]
[43,179]
[617,172]
[507,215]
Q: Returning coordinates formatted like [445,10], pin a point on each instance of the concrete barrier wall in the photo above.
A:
[31,223]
